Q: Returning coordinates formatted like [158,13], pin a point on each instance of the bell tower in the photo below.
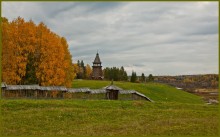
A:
[97,68]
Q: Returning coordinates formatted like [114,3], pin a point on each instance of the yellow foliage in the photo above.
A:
[52,60]
[88,71]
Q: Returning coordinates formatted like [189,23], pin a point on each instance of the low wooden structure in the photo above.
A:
[110,92]
[77,93]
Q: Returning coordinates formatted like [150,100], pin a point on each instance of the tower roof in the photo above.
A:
[97,59]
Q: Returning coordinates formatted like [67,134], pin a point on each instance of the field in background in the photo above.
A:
[174,112]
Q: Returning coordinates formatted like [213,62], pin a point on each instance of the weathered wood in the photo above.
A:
[110,92]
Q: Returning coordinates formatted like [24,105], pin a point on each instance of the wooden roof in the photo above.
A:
[58,88]
[98,91]
[35,87]
[127,91]
[142,95]
[3,85]
[76,90]
[112,87]
[22,87]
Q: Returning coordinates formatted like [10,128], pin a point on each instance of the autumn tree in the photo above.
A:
[18,42]
[68,68]
[9,66]
[32,54]
[88,71]
[75,70]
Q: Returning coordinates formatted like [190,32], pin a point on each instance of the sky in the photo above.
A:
[159,38]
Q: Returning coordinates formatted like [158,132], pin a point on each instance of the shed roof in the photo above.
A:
[75,90]
[127,91]
[97,91]
[35,87]
[22,87]
[3,85]
[142,95]
[112,87]
[58,88]
[46,88]
[29,87]
[13,87]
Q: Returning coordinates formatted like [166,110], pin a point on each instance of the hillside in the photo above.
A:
[174,112]
[155,91]
[104,117]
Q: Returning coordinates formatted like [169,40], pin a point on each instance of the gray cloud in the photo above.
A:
[162,38]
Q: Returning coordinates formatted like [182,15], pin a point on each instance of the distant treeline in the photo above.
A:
[190,81]
[116,74]
[119,74]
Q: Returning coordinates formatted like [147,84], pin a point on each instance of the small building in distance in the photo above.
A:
[97,68]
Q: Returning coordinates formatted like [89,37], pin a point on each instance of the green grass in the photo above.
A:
[104,117]
[174,112]
[155,91]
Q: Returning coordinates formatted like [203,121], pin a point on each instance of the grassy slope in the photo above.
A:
[103,117]
[155,91]
[174,112]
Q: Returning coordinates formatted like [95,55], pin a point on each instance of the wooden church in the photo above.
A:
[97,68]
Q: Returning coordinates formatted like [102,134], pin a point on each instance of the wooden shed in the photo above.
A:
[112,92]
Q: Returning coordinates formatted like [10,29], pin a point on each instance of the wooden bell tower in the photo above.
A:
[97,68]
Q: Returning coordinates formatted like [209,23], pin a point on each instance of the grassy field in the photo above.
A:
[180,113]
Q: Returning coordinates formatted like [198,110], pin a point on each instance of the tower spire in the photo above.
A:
[97,68]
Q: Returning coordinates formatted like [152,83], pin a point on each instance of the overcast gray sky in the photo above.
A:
[161,38]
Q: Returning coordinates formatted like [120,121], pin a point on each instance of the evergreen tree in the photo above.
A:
[133,76]
[83,69]
[142,77]
[78,63]
[115,73]
[150,77]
